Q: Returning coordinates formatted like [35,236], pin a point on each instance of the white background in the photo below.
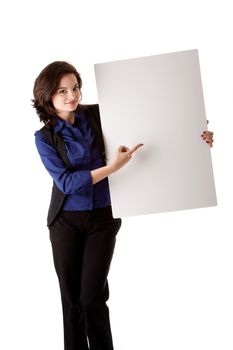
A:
[171,277]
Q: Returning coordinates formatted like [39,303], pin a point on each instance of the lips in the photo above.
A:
[72,102]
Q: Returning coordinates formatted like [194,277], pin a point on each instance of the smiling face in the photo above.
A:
[66,98]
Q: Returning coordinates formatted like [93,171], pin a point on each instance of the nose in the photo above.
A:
[72,95]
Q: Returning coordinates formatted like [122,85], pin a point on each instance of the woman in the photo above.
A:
[82,229]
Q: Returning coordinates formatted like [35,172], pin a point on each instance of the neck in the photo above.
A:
[68,117]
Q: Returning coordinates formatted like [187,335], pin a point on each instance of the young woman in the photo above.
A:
[82,229]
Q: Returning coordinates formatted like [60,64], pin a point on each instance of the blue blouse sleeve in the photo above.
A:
[79,182]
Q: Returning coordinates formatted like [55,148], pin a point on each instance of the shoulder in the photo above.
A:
[92,113]
[46,129]
[45,134]
[94,107]
[89,108]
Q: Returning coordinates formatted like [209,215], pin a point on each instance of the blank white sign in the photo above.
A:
[157,101]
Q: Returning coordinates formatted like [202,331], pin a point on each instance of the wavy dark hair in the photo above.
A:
[45,86]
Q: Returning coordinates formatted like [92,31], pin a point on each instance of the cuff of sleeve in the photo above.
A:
[86,181]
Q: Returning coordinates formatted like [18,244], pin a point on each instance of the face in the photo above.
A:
[67,96]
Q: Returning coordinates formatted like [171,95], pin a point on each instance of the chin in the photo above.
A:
[71,109]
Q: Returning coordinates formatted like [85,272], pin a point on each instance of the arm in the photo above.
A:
[68,182]
[81,180]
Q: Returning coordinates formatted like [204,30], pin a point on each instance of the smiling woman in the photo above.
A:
[82,228]
[55,84]
[67,97]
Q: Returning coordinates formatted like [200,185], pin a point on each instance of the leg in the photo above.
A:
[99,247]
[68,245]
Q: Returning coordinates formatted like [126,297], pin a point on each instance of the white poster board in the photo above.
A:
[157,101]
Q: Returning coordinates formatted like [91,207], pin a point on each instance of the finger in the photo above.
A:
[123,149]
[206,132]
[126,149]
[134,149]
[210,143]
[208,136]
[209,140]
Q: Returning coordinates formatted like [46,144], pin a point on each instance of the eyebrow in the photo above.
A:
[67,87]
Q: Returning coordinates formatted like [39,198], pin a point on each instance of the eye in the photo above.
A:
[62,91]
[76,88]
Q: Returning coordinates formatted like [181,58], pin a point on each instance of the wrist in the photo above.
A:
[112,167]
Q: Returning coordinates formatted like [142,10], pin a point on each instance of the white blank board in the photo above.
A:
[158,101]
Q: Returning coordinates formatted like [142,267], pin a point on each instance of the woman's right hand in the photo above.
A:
[123,155]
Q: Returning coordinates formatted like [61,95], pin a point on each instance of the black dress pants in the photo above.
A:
[83,243]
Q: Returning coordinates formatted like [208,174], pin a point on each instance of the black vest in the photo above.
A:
[56,141]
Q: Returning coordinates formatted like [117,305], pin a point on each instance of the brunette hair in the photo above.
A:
[45,86]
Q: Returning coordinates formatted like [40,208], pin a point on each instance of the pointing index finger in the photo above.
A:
[134,149]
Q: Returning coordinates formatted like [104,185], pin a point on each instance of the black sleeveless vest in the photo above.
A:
[56,141]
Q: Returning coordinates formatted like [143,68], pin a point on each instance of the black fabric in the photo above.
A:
[83,244]
[56,141]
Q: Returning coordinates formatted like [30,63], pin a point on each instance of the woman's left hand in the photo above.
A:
[208,137]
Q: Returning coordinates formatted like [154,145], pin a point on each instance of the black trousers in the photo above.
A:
[83,244]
